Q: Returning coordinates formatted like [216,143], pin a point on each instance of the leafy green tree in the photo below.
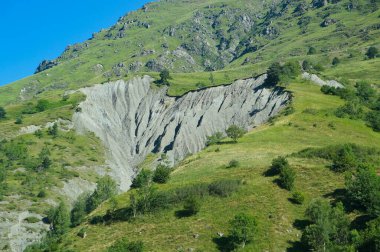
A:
[3,113]
[273,74]
[363,190]
[371,239]
[214,139]
[44,159]
[165,76]
[366,93]
[352,109]
[287,177]
[53,130]
[235,132]
[243,228]
[298,198]
[372,52]
[42,105]
[123,245]
[344,160]
[105,189]
[142,179]
[78,213]
[59,218]
[192,205]
[162,174]
[278,164]
[373,120]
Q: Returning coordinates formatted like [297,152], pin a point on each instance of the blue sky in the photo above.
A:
[33,30]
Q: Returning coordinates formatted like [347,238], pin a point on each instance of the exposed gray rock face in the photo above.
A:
[16,233]
[315,79]
[132,119]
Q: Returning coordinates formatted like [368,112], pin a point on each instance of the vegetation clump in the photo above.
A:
[235,132]
[243,229]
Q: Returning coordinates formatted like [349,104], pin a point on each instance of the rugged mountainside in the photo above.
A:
[133,120]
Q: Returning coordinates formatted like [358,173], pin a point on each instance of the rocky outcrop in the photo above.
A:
[46,64]
[133,120]
[316,80]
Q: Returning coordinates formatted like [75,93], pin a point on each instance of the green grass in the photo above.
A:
[259,195]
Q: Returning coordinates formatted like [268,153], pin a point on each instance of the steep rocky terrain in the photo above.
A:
[132,119]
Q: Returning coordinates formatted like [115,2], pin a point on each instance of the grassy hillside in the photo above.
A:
[309,126]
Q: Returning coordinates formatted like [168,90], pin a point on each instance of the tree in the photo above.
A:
[344,160]
[287,177]
[3,113]
[53,130]
[142,179]
[372,52]
[59,218]
[105,189]
[44,159]
[363,190]
[192,205]
[212,79]
[273,74]
[162,174]
[214,139]
[298,198]
[42,105]
[235,132]
[165,76]
[78,213]
[242,229]
[366,93]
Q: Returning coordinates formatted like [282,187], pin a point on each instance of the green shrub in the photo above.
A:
[78,213]
[373,120]
[41,194]
[42,105]
[214,139]
[298,198]
[105,189]
[142,179]
[352,109]
[233,164]
[82,232]
[18,120]
[53,130]
[165,76]
[243,228]
[123,245]
[344,159]
[277,165]
[162,174]
[3,113]
[192,205]
[235,132]
[312,51]
[224,188]
[59,219]
[287,177]
[372,52]
[335,61]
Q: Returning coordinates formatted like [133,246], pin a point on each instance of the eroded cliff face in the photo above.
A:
[133,119]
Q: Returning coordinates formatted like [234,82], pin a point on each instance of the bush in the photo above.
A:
[306,65]
[233,164]
[59,219]
[224,188]
[3,113]
[78,213]
[344,160]
[192,205]
[312,51]
[235,132]
[123,245]
[363,190]
[165,76]
[18,120]
[372,52]
[273,74]
[352,109]
[277,72]
[142,179]
[53,130]
[105,189]
[162,174]
[373,120]
[277,165]
[287,177]
[366,93]
[335,61]
[42,105]
[298,198]
[214,139]
[41,194]
[242,229]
